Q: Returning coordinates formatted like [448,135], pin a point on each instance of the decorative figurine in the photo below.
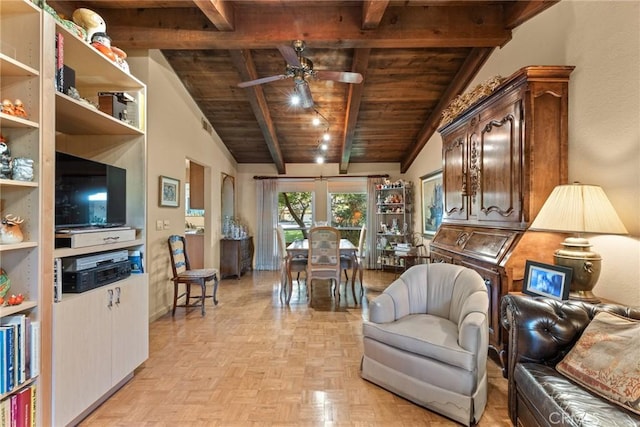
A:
[90,21]
[5,283]
[7,107]
[18,109]
[5,160]
[10,231]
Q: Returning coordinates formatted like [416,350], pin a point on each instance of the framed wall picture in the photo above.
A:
[169,192]
[432,202]
[547,280]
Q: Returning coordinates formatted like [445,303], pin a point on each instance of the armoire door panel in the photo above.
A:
[499,175]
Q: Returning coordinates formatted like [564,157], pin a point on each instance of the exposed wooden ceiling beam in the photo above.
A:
[219,12]
[360,65]
[372,12]
[243,61]
[518,12]
[476,59]
[260,27]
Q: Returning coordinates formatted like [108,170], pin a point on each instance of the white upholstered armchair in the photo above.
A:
[426,340]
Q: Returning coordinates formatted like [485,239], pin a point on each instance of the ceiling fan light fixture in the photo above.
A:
[302,89]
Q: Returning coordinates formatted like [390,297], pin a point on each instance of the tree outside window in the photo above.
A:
[348,213]
[295,214]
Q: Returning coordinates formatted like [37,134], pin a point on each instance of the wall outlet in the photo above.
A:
[167,224]
[159,225]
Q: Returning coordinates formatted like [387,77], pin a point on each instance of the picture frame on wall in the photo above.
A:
[169,192]
[432,202]
[547,280]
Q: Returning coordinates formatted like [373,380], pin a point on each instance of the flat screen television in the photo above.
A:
[89,193]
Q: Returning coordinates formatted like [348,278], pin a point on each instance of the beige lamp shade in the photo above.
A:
[578,208]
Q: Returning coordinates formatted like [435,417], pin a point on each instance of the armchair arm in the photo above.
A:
[473,336]
[382,309]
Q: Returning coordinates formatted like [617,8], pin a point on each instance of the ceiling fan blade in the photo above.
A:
[290,55]
[339,76]
[263,80]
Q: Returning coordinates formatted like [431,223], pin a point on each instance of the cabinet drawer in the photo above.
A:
[437,257]
[81,240]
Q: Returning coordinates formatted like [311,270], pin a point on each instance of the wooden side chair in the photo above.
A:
[360,259]
[288,265]
[182,273]
[324,257]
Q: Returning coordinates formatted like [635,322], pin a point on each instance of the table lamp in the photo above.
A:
[577,208]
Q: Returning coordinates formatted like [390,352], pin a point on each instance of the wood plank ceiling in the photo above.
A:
[415,56]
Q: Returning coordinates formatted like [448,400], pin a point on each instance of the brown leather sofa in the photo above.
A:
[541,332]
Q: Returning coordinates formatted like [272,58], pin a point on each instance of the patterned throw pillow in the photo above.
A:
[605,360]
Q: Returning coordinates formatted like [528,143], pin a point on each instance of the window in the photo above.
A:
[348,207]
[295,213]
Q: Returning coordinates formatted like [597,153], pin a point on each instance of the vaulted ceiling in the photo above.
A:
[415,56]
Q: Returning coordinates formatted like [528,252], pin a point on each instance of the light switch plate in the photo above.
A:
[167,224]
[159,225]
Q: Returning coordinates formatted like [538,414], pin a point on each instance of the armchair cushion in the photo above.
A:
[428,336]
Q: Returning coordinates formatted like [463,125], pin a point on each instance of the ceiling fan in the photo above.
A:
[301,69]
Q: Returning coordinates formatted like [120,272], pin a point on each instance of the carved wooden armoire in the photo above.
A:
[502,157]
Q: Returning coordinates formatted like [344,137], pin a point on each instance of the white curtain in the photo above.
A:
[372,227]
[267,214]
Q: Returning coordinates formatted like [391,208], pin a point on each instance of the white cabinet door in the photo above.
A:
[130,330]
[81,362]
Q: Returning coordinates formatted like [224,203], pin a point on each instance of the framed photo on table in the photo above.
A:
[432,202]
[169,192]
[547,280]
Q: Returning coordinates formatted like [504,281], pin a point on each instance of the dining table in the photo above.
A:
[300,248]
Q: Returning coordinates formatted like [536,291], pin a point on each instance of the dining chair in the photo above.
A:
[182,273]
[323,262]
[348,262]
[288,264]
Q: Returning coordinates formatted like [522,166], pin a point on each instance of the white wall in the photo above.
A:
[174,134]
[602,40]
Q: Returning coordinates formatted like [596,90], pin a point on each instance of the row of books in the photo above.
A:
[19,351]
[19,409]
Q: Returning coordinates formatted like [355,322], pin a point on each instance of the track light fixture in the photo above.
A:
[322,145]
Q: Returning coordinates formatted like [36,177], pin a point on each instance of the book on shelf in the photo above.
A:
[21,410]
[5,413]
[34,362]
[33,406]
[7,341]
[59,62]
[20,322]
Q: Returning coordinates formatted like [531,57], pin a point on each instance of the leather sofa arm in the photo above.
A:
[543,330]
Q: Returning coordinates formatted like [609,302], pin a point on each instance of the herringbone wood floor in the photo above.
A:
[251,361]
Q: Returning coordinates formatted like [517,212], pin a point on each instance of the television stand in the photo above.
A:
[91,229]
[82,237]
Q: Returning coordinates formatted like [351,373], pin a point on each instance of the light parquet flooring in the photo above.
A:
[252,361]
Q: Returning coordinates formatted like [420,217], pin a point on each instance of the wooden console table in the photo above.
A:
[236,256]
